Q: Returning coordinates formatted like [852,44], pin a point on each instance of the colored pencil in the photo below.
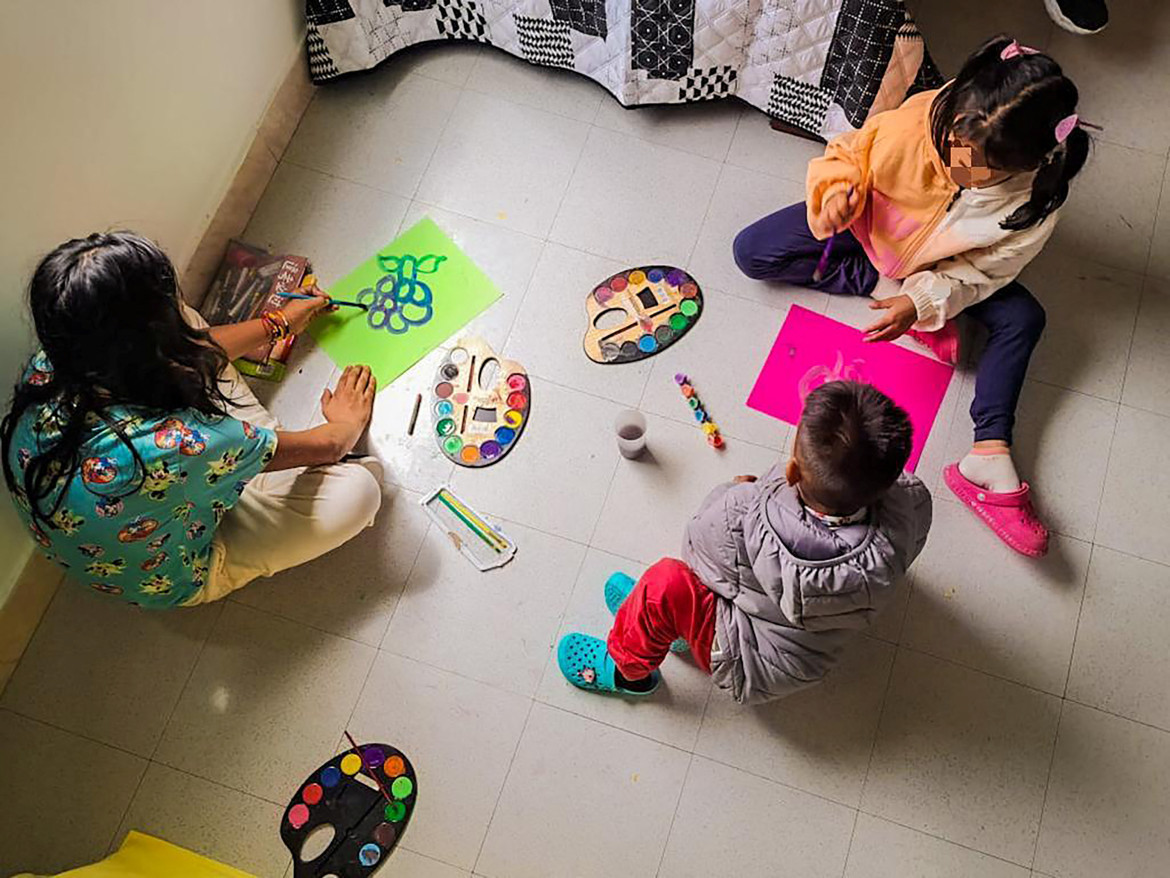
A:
[475,530]
[414,414]
[450,498]
[331,301]
[369,771]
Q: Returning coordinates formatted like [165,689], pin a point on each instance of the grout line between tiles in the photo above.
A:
[849,847]
[503,785]
[877,729]
[1047,786]
[682,788]
[941,838]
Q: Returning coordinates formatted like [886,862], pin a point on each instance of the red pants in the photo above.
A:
[668,602]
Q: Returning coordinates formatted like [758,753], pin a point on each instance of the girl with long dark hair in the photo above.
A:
[934,209]
[139,459]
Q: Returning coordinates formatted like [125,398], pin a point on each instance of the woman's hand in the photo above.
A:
[837,212]
[300,312]
[900,314]
[349,405]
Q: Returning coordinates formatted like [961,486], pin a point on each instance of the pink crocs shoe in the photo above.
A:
[1010,515]
[943,343]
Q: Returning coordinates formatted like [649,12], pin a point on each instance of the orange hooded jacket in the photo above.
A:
[904,188]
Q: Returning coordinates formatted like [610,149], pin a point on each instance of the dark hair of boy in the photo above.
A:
[1010,108]
[852,444]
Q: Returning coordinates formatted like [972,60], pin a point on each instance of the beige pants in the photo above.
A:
[288,517]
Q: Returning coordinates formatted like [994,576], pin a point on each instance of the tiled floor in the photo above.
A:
[1006,718]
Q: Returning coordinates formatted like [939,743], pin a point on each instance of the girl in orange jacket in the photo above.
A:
[934,209]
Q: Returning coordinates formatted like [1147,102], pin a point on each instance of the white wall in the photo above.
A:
[122,114]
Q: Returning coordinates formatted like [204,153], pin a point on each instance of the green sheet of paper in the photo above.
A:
[421,289]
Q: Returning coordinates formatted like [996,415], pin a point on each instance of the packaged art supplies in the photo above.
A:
[481,542]
[249,282]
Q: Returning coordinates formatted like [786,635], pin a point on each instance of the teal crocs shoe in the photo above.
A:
[587,664]
[618,588]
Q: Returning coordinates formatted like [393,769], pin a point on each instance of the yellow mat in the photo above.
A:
[143,856]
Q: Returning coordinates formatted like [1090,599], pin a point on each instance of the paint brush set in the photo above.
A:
[482,543]
[350,813]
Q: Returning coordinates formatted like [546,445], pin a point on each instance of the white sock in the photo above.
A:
[993,471]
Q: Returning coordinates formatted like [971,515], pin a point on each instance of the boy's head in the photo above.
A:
[852,443]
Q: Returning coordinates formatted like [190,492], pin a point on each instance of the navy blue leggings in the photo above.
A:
[781,247]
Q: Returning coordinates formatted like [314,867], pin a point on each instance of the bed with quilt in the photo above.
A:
[819,66]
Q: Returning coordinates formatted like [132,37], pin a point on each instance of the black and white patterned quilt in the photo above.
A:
[823,66]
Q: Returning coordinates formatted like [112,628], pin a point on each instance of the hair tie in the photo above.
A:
[1015,50]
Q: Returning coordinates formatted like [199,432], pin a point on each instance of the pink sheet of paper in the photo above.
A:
[812,349]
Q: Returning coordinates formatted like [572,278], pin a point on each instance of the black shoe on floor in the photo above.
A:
[1079,16]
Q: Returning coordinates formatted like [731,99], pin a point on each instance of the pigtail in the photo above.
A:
[1050,186]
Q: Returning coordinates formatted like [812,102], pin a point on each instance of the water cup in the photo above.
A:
[630,427]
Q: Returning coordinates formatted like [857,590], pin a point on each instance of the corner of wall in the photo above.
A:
[271,139]
[21,611]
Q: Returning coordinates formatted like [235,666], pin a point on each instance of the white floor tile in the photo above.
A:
[1107,799]
[496,627]
[1091,311]
[43,769]
[634,201]
[408,864]
[654,497]
[571,433]
[353,590]
[230,827]
[731,823]
[1160,250]
[500,162]
[1109,215]
[450,62]
[379,129]
[506,256]
[544,88]
[1018,624]
[705,128]
[1146,383]
[954,28]
[106,670]
[1132,513]
[1121,663]
[758,147]
[336,224]
[672,715]
[603,798]
[1061,448]
[459,735]
[962,756]
[259,677]
[722,355]
[818,740]
[741,198]
[1120,71]
[550,327]
[882,849]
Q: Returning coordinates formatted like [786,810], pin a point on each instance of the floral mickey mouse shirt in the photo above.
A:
[141,532]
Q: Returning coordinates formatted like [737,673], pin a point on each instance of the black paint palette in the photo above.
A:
[340,823]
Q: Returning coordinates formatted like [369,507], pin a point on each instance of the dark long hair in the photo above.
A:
[109,318]
[1011,109]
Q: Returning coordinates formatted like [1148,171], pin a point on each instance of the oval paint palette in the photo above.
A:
[640,311]
[480,404]
[343,795]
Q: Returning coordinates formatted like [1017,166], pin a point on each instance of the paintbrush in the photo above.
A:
[823,263]
[371,772]
[331,301]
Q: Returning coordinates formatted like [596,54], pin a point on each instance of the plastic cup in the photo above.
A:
[630,427]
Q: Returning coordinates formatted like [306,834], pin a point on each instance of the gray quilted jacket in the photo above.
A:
[792,590]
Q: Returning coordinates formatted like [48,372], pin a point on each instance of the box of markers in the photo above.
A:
[250,281]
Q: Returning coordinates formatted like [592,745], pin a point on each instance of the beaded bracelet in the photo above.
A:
[276,324]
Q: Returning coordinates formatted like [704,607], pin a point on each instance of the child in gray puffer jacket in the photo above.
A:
[778,572]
